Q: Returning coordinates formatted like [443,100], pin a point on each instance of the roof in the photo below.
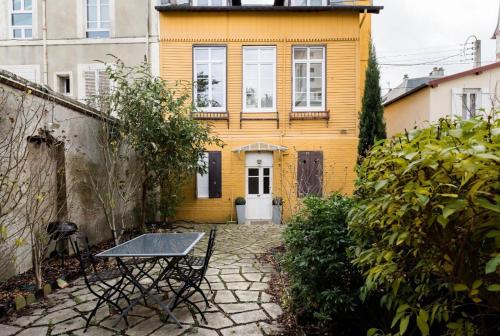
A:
[435,82]
[268,8]
[260,146]
[408,85]
[19,83]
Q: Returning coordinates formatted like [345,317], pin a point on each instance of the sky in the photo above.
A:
[431,32]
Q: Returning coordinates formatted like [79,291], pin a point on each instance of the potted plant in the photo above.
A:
[240,209]
[277,209]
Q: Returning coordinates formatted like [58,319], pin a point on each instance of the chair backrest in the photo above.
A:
[210,247]
[81,248]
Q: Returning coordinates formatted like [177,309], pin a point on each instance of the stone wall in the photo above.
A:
[78,126]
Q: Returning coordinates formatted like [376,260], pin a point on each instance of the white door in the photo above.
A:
[259,182]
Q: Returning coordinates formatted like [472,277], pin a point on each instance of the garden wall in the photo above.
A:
[78,125]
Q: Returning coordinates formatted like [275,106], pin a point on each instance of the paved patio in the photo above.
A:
[239,304]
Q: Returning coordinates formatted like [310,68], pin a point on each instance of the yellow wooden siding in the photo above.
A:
[338,32]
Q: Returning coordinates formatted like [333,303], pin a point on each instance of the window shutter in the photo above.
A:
[89,78]
[202,180]
[214,174]
[310,173]
[103,82]
[456,102]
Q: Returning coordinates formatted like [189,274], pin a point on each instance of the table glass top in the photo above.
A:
[156,245]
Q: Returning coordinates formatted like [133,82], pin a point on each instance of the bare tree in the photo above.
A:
[20,117]
[117,187]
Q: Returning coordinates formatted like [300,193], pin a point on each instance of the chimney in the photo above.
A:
[437,72]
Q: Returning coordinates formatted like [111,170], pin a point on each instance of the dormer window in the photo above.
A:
[209,2]
[308,2]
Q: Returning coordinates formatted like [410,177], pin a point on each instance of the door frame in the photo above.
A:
[261,167]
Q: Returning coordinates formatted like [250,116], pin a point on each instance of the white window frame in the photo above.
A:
[81,80]
[308,3]
[224,3]
[31,11]
[99,21]
[68,74]
[259,63]
[308,61]
[202,189]
[467,92]
[210,61]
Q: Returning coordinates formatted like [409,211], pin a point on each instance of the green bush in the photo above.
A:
[427,226]
[324,284]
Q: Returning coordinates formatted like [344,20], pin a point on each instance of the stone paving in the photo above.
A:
[239,303]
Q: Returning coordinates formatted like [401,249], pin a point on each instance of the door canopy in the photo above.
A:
[260,146]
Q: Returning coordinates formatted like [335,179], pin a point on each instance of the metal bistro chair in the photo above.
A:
[91,276]
[192,276]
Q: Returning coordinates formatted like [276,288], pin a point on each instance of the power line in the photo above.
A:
[422,63]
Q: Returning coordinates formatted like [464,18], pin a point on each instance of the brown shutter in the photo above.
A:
[214,175]
[310,173]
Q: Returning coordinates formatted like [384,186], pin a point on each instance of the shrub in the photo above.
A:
[427,222]
[240,201]
[323,282]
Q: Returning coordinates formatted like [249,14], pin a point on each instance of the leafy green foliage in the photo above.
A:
[427,228]
[324,284]
[157,117]
[371,123]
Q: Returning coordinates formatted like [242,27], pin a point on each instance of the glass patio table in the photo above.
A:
[170,247]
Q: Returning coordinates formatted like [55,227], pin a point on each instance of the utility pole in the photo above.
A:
[477,53]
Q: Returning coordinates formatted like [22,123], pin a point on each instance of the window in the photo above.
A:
[209,2]
[98,22]
[93,80]
[63,83]
[470,102]
[308,78]
[210,78]
[209,184]
[310,173]
[309,2]
[259,79]
[21,19]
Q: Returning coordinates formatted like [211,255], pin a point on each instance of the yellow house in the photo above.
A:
[281,85]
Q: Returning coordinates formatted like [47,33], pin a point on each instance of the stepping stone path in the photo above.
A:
[239,304]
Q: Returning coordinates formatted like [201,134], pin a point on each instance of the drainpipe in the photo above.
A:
[44,38]
[147,31]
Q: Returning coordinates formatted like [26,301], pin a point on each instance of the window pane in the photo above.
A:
[27,5]
[17,33]
[16,4]
[472,104]
[98,34]
[300,99]
[267,185]
[316,70]
[266,171]
[251,85]
[300,70]
[253,172]
[202,2]
[316,53]
[92,2]
[92,16]
[28,33]
[267,54]
[301,85]
[253,185]
[104,13]
[316,2]
[299,2]
[251,54]
[218,54]
[21,19]
[266,86]
[216,2]
[300,53]
[201,54]
[217,85]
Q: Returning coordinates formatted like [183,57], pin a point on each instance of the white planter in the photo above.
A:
[277,214]
[240,212]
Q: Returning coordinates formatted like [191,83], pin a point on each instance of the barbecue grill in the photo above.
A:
[60,232]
